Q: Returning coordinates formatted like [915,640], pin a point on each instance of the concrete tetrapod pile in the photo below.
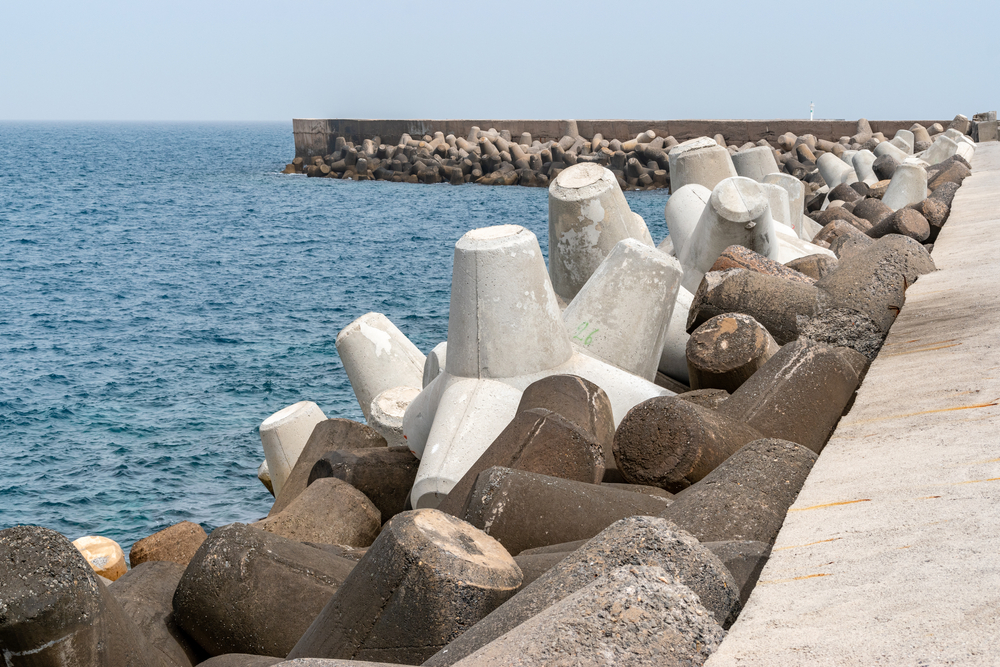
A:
[557,497]
[647,161]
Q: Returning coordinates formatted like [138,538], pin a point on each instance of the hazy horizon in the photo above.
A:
[258,61]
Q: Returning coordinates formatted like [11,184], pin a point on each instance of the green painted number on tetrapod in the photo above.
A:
[583,335]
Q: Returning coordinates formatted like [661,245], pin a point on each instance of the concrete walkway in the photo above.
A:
[891,553]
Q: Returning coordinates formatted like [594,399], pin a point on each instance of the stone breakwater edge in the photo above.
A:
[600,455]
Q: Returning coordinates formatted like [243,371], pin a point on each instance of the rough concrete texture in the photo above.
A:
[146,593]
[177,543]
[635,284]
[328,435]
[798,394]
[426,579]
[385,475]
[672,443]
[329,511]
[103,554]
[740,257]
[635,541]
[578,400]
[726,350]
[539,441]
[888,555]
[744,560]
[378,356]
[242,660]
[635,616]
[55,613]
[588,216]
[747,496]
[284,435]
[248,591]
[844,327]
[523,510]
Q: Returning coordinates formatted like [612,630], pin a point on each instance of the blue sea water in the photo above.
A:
[163,289]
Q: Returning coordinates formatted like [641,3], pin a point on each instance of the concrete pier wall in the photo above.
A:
[315,136]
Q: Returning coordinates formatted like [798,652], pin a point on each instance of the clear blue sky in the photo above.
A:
[250,60]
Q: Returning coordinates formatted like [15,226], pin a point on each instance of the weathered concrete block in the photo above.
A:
[425,580]
[328,435]
[634,541]
[813,266]
[744,560]
[329,511]
[707,165]
[578,400]
[284,435]
[740,257]
[636,615]
[798,395]
[523,510]
[248,591]
[906,222]
[55,611]
[747,496]
[384,475]
[637,284]
[726,350]
[537,441]
[775,302]
[863,162]
[177,543]
[103,554]
[377,356]
[671,443]
[146,594]
[588,215]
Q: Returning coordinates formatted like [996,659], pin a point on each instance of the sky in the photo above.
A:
[216,60]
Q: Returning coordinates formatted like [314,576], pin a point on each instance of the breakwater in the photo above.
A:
[533,153]
[586,507]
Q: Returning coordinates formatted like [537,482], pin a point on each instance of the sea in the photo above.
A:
[164,288]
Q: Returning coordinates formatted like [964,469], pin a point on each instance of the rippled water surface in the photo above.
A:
[163,289]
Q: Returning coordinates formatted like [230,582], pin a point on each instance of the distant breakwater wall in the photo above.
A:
[317,136]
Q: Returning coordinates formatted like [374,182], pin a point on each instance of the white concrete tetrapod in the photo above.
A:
[387,410]
[755,163]
[377,356]
[863,161]
[705,166]
[777,199]
[673,358]
[621,314]
[284,434]
[435,362]
[691,145]
[737,214]
[848,157]
[790,246]
[903,140]
[796,199]
[682,211]
[505,331]
[966,150]
[833,170]
[942,149]
[908,186]
[893,151]
[588,215]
